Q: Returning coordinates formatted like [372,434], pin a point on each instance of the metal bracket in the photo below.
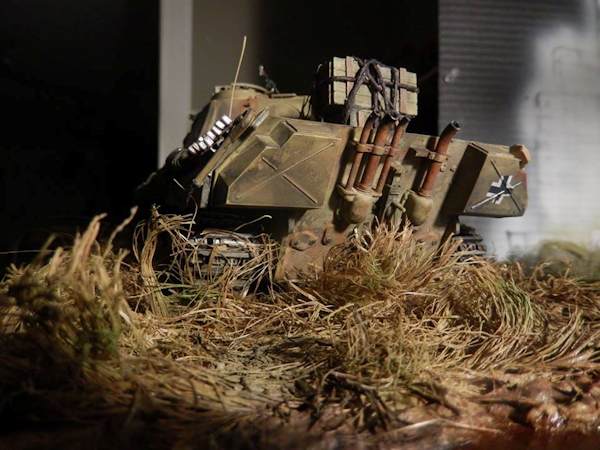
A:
[400,201]
[364,148]
[421,152]
[377,150]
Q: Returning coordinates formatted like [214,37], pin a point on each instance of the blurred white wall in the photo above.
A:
[561,118]
[529,72]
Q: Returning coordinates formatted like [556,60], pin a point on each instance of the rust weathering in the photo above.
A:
[311,170]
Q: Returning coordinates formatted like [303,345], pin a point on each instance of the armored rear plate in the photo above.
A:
[500,190]
[283,164]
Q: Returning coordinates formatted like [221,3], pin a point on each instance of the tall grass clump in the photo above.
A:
[68,305]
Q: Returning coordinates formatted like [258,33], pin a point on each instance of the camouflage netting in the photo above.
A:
[390,344]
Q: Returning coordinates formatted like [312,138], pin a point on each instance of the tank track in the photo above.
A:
[215,251]
[470,242]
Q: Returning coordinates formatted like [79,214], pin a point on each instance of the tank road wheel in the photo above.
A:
[471,243]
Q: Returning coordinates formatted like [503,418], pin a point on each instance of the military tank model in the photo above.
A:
[310,170]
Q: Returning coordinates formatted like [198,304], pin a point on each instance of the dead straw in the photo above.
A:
[386,318]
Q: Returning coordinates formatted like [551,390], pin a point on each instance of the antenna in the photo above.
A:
[237,73]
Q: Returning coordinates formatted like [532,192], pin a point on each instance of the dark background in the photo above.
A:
[79,96]
[298,37]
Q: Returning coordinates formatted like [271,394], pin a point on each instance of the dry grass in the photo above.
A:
[561,258]
[388,323]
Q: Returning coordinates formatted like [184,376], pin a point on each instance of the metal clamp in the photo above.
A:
[421,152]
[364,148]
[379,150]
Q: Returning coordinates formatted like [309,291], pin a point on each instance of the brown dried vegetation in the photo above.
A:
[388,328]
